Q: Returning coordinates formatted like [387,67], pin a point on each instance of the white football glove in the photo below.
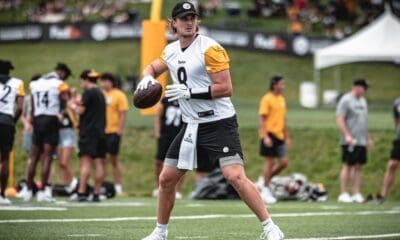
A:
[177,91]
[273,232]
[144,83]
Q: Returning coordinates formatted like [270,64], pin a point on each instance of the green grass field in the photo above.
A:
[127,218]
[315,150]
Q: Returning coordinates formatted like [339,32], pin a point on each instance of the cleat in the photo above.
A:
[156,235]
[267,196]
[4,201]
[273,232]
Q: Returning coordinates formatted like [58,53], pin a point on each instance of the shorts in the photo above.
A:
[7,137]
[356,155]
[277,149]
[112,143]
[67,138]
[27,141]
[92,145]
[395,153]
[218,145]
[45,130]
[163,144]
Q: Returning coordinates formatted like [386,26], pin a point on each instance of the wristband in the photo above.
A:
[200,93]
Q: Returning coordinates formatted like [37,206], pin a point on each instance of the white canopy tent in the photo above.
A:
[379,41]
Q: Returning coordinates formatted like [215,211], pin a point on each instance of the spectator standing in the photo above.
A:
[67,139]
[92,143]
[394,160]
[116,109]
[273,133]
[11,102]
[351,119]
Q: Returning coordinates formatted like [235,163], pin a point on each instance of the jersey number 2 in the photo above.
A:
[7,90]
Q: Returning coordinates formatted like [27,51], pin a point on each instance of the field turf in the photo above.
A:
[133,218]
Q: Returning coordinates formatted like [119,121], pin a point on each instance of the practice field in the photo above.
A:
[133,218]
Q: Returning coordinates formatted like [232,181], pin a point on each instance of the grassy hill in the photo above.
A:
[315,151]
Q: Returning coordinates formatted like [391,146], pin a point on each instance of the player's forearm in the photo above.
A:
[154,69]
[261,125]
[122,120]
[221,84]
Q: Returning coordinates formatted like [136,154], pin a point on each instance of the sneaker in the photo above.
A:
[344,198]
[96,198]
[273,232]
[155,193]
[118,189]
[267,196]
[48,192]
[155,235]
[260,183]
[72,185]
[4,201]
[22,192]
[178,195]
[43,196]
[27,196]
[357,198]
[381,199]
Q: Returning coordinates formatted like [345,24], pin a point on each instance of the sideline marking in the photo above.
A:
[22,208]
[102,204]
[390,235]
[85,235]
[198,217]
[193,237]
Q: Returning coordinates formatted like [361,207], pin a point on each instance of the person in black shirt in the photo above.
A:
[92,111]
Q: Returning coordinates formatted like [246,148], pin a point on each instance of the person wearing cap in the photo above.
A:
[11,103]
[116,109]
[394,160]
[49,95]
[273,134]
[92,143]
[199,69]
[67,139]
[351,119]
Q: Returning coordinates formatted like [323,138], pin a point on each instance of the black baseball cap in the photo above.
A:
[361,82]
[5,66]
[63,67]
[90,74]
[274,80]
[183,9]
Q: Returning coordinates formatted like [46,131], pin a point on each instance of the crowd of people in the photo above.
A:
[50,115]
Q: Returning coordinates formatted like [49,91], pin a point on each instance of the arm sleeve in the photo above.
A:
[216,59]
[162,59]
[263,109]
[341,108]
[21,90]
[63,87]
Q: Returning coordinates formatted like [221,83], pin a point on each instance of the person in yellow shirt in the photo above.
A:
[116,109]
[274,137]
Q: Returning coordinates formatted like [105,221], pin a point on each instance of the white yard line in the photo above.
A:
[102,204]
[84,235]
[30,208]
[379,236]
[198,217]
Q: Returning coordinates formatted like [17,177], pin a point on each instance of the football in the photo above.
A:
[147,97]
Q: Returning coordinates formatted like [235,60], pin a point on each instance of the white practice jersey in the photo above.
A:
[8,93]
[46,94]
[191,67]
